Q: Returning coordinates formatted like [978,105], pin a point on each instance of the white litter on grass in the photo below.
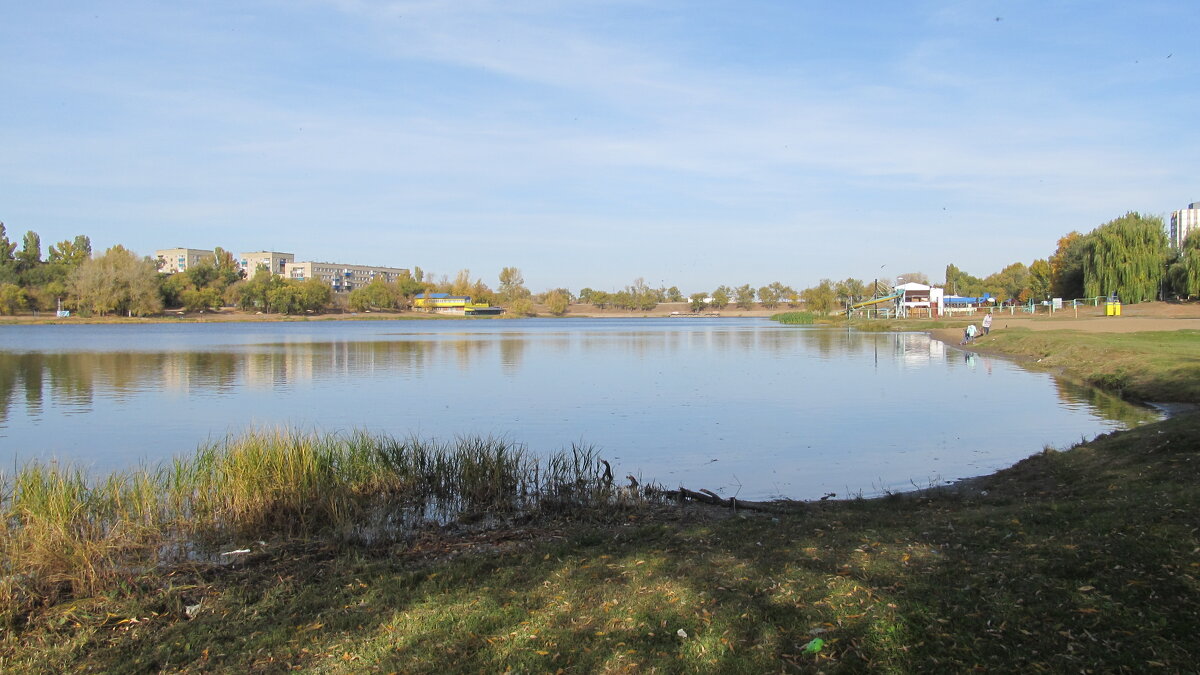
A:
[240,551]
[681,633]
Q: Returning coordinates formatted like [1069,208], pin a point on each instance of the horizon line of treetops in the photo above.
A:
[1129,256]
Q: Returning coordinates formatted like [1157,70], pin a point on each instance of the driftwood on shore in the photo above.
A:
[709,497]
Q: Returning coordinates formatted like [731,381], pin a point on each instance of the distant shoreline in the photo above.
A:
[1149,316]
[578,311]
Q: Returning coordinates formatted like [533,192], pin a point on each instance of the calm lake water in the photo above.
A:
[745,407]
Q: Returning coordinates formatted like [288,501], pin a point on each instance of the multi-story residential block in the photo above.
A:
[342,277]
[172,260]
[1183,223]
[277,262]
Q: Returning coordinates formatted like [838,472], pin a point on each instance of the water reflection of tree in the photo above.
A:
[827,342]
[467,351]
[1105,405]
[73,378]
[30,371]
[512,352]
[747,340]
[9,379]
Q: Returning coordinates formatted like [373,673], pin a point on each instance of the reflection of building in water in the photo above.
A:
[914,349]
[303,361]
[260,369]
[176,372]
[185,371]
[937,349]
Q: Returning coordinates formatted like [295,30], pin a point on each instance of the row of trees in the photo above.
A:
[121,282]
[27,281]
[1129,256]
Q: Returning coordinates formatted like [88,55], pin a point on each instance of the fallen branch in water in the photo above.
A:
[710,497]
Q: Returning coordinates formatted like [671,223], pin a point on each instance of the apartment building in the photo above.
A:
[1183,223]
[277,262]
[343,277]
[340,276]
[172,260]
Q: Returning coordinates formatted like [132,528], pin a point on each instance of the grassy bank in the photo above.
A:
[1144,366]
[1153,366]
[1070,561]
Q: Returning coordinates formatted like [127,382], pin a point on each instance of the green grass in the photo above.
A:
[904,325]
[1147,366]
[1150,366]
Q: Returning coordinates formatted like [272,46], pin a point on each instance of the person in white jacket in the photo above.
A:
[969,334]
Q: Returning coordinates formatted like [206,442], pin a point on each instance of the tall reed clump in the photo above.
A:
[62,531]
[794,317]
[280,482]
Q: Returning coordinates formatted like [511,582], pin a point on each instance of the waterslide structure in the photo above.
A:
[893,298]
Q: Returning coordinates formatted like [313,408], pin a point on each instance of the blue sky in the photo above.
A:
[593,142]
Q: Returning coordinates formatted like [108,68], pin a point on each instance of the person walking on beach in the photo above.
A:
[987,323]
[969,334]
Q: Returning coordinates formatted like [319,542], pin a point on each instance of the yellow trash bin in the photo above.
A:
[1108,309]
[1116,309]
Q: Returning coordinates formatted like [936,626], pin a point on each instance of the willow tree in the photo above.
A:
[1186,272]
[1126,256]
